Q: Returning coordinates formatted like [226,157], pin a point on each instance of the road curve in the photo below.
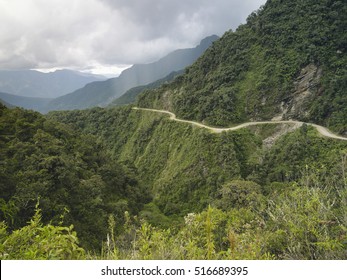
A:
[321,129]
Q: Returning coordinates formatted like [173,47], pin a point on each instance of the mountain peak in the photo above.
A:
[208,40]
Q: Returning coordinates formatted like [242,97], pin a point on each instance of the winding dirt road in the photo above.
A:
[321,129]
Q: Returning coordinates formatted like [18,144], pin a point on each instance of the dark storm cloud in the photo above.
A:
[182,18]
[91,33]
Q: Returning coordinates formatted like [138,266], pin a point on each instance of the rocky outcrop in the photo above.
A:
[306,86]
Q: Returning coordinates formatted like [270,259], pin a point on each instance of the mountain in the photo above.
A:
[259,193]
[287,62]
[67,173]
[31,83]
[6,104]
[34,103]
[102,93]
[144,185]
[130,96]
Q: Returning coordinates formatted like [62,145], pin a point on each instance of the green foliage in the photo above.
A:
[179,163]
[207,235]
[253,73]
[37,241]
[273,194]
[188,168]
[305,225]
[67,170]
[238,194]
[305,157]
[301,223]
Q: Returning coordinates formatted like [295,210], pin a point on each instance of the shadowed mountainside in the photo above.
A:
[102,93]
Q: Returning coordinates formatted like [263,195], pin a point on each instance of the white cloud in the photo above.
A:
[81,33]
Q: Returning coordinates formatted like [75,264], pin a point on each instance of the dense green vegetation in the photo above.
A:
[187,164]
[301,223]
[214,196]
[136,185]
[71,174]
[257,71]
[36,241]
[254,191]
[179,162]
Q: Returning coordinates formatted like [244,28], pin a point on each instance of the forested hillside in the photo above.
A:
[136,184]
[288,61]
[258,193]
[67,173]
[250,177]
[129,97]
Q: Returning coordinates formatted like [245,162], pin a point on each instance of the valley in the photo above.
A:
[235,149]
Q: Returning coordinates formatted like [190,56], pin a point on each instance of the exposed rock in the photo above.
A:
[166,100]
[306,86]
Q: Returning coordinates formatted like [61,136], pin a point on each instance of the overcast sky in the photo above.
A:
[108,35]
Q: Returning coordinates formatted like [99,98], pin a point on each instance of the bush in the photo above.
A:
[38,242]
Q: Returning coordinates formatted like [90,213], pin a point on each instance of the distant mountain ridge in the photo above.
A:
[131,94]
[31,83]
[102,93]
[34,103]
[6,104]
